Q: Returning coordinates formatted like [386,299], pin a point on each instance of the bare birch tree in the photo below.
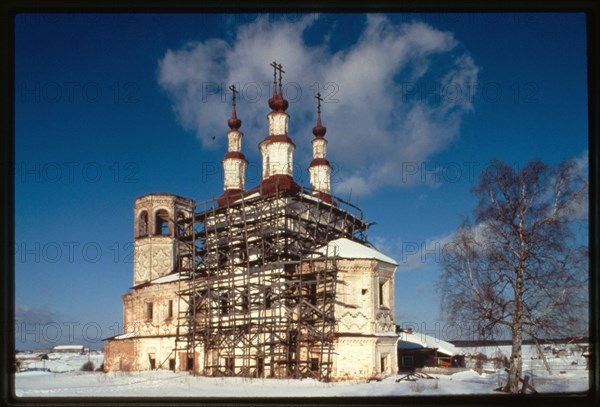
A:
[520,267]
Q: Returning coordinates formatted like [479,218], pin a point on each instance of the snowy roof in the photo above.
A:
[418,340]
[125,336]
[168,279]
[245,198]
[67,347]
[353,250]
[314,198]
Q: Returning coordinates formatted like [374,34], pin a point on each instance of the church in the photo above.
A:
[273,281]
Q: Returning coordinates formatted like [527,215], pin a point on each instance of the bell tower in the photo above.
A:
[277,148]
[155,235]
[320,169]
[235,163]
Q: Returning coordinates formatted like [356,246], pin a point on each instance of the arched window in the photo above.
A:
[245,300]
[312,293]
[268,298]
[268,167]
[161,222]
[143,224]
[180,219]
[224,304]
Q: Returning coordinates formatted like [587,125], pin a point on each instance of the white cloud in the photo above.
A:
[379,108]
[414,255]
[25,314]
[582,163]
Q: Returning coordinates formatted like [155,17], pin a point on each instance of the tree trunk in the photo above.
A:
[516,362]
[516,356]
[541,355]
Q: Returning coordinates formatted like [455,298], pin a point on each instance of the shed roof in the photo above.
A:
[418,340]
[68,347]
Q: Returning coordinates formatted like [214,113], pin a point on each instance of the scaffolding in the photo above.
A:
[259,284]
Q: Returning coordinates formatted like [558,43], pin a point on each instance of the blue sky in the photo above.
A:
[111,107]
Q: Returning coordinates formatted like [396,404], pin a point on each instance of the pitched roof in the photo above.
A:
[418,340]
[349,249]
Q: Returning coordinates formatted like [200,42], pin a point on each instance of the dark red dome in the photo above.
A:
[278,104]
[319,130]
[234,123]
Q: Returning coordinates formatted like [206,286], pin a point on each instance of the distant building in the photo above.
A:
[275,281]
[417,350]
[69,349]
[41,350]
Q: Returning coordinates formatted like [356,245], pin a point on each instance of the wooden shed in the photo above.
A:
[416,350]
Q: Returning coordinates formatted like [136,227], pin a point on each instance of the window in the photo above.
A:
[268,298]
[143,224]
[229,364]
[260,367]
[190,364]
[314,364]
[180,224]
[245,301]
[267,172]
[149,311]
[383,294]
[225,304]
[383,365]
[161,222]
[170,309]
[172,364]
[313,294]
[152,361]
[184,262]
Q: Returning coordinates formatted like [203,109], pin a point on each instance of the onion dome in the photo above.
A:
[319,130]
[278,104]
[234,123]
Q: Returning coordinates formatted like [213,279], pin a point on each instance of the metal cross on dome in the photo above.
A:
[234,90]
[319,100]
[274,65]
[277,67]
[280,69]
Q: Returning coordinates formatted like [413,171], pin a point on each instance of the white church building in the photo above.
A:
[271,281]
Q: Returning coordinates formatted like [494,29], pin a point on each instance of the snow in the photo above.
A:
[314,199]
[66,380]
[568,368]
[249,197]
[572,358]
[69,347]
[60,376]
[57,362]
[418,340]
[125,335]
[349,249]
[180,384]
[168,279]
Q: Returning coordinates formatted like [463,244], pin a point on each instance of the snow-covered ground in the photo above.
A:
[71,381]
[565,358]
[58,362]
